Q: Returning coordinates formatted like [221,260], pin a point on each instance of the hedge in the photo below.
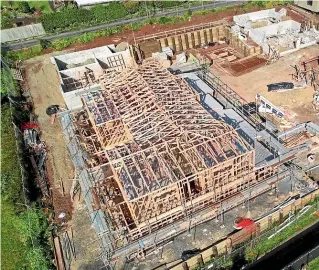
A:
[72,18]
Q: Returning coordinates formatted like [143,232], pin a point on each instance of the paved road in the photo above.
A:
[29,43]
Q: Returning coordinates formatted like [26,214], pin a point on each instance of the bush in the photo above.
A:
[24,54]
[44,43]
[167,4]
[5,20]
[10,171]
[60,44]
[67,18]
[111,12]
[132,6]
[24,7]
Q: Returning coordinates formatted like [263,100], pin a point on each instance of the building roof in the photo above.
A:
[81,3]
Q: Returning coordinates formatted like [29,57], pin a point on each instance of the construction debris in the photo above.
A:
[307,72]
[296,139]
[280,87]
[168,51]
[181,58]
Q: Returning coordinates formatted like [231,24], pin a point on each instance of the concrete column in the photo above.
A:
[222,32]
[138,51]
[215,251]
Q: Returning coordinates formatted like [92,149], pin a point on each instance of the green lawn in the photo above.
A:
[314,264]
[13,249]
[268,244]
[19,225]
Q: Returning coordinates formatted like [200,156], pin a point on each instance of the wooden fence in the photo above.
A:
[225,246]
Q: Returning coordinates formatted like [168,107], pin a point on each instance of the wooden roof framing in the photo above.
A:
[171,136]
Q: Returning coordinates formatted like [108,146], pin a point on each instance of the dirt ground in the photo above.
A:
[43,83]
[255,82]
[44,88]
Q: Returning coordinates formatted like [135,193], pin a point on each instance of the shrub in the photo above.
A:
[167,4]
[132,6]
[111,12]
[24,54]
[5,20]
[67,18]
[44,43]
[60,44]
[164,20]
[24,7]
[85,38]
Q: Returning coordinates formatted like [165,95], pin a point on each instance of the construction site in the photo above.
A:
[172,132]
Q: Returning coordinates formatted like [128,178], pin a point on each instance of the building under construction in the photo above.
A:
[149,157]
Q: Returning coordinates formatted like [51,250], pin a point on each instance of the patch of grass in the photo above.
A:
[267,245]
[10,170]
[8,84]
[13,250]
[24,229]
[25,53]
[18,251]
[314,264]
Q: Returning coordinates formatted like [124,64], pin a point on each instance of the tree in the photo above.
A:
[132,6]
[44,43]
[24,7]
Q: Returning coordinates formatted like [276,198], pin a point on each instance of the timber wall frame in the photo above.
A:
[165,157]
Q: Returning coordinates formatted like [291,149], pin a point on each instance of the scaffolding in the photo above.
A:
[149,156]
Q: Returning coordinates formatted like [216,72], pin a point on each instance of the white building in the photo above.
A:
[80,72]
